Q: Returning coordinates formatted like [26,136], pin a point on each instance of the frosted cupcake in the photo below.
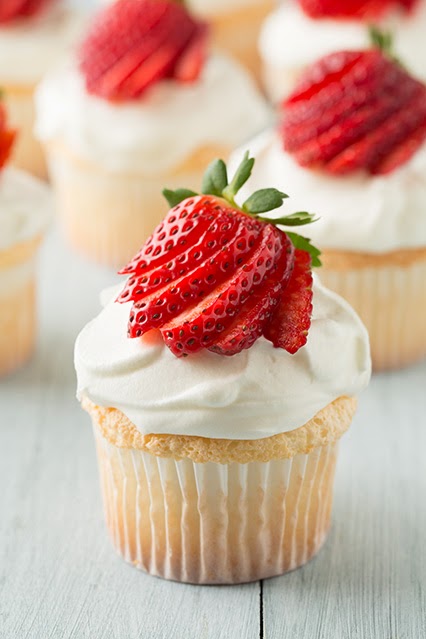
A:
[24,212]
[235,26]
[217,419]
[299,32]
[32,36]
[124,122]
[352,145]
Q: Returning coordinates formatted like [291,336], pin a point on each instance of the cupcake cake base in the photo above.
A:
[208,511]
[388,291]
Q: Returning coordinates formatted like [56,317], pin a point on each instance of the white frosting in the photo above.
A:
[28,48]
[357,212]
[290,39]
[25,207]
[162,129]
[260,392]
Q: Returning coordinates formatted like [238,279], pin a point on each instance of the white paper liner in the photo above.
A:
[391,301]
[212,523]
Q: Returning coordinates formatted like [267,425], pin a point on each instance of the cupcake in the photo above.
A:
[235,26]
[24,212]
[217,417]
[32,35]
[299,32]
[145,105]
[352,146]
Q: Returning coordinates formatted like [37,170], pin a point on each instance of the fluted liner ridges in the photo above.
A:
[212,523]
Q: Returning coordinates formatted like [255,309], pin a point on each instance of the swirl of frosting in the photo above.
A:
[258,393]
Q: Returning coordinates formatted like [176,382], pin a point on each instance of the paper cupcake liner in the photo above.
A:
[108,216]
[212,523]
[27,153]
[17,321]
[391,301]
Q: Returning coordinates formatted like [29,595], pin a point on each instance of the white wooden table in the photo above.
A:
[60,578]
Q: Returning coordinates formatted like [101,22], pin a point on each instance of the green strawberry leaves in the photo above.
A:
[215,182]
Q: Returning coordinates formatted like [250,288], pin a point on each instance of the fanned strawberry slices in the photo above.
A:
[217,276]
[15,9]
[354,9]
[355,110]
[132,44]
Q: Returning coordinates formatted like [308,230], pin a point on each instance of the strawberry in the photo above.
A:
[7,137]
[132,44]
[14,9]
[354,9]
[213,274]
[291,324]
[354,109]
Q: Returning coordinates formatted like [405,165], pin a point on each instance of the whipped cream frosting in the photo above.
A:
[25,207]
[358,212]
[290,39]
[160,130]
[258,393]
[28,48]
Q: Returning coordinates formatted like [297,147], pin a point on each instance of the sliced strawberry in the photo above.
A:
[7,137]
[200,326]
[402,152]
[133,44]
[290,324]
[259,309]
[14,9]
[360,9]
[352,110]
[212,274]
[162,306]
[191,62]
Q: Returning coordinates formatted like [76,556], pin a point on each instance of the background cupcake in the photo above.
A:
[299,32]
[351,146]
[217,433]
[33,36]
[24,212]
[148,110]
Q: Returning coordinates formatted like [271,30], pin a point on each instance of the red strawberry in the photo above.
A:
[212,275]
[14,9]
[352,110]
[291,322]
[133,44]
[7,137]
[355,9]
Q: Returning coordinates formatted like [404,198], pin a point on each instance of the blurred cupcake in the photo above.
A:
[352,146]
[24,212]
[32,36]
[217,425]
[146,106]
[235,26]
[298,33]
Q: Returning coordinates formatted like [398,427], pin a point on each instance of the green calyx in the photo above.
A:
[215,182]
[383,40]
